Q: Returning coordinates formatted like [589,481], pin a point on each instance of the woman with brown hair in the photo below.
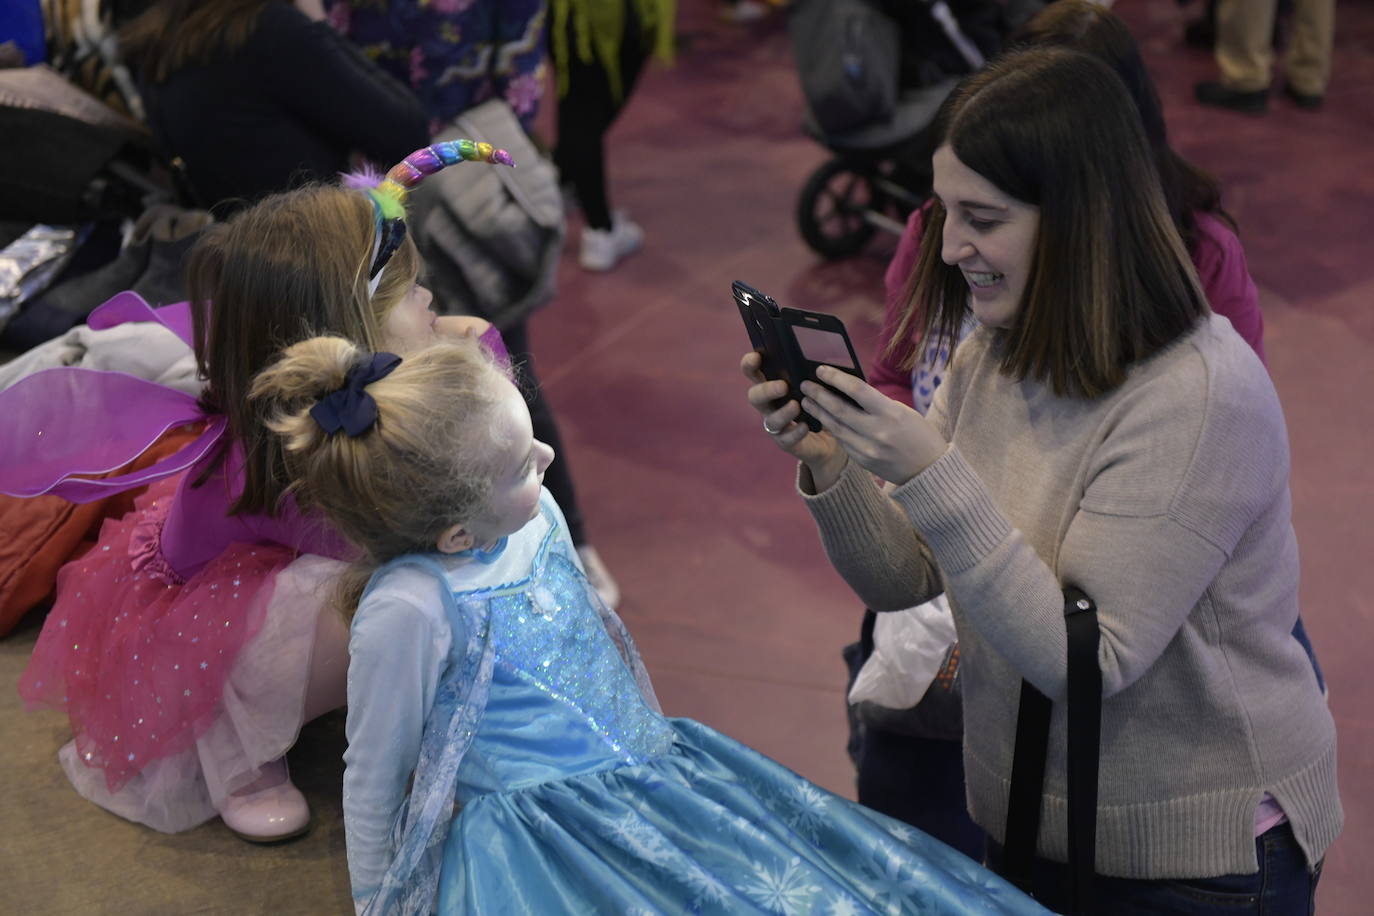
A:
[897,750]
[1089,434]
[259,96]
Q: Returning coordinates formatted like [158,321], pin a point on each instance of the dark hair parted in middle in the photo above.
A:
[1111,282]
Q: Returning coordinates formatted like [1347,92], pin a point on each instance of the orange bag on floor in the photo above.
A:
[39,535]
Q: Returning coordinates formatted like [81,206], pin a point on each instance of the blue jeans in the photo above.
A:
[1283,886]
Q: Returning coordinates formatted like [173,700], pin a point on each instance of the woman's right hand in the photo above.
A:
[820,452]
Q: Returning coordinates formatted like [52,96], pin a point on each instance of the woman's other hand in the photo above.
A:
[885,437]
[313,9]
[458,326]
[821,454]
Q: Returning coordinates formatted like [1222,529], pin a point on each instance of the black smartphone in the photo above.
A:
[793,343]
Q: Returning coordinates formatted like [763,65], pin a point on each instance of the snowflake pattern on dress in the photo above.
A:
[581,797]
[785,888]
[809,803]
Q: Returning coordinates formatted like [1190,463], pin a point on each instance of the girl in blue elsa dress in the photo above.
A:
[485,672]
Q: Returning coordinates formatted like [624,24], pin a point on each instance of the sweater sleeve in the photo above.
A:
[870,541]
[1225,278]
[1167,498]
[327,82]
[396,657]
[887,374]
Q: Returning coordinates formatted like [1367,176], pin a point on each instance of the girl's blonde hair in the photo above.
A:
[424,466]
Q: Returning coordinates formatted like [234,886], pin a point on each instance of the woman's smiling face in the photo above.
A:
[988,235]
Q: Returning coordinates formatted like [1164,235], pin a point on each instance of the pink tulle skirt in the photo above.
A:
[177,691]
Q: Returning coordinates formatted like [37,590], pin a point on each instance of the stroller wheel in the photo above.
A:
[833,206]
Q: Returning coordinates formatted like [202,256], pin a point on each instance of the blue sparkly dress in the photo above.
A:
[574,793]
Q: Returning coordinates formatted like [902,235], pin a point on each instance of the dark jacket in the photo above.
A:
[286,108]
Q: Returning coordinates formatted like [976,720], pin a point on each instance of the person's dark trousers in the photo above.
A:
[919,781]
[1283,886]
[586,109]
[557,477]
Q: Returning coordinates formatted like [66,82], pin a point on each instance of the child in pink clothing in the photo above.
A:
[190,644]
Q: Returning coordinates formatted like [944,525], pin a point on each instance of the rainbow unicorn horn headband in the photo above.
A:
[389,194]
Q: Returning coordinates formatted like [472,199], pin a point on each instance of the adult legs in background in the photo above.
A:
[1309,49]
[587,107]
[558,476]
[917,780]
[1245,56]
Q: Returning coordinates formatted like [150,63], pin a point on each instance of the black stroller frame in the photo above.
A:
[879,173]
[875,179]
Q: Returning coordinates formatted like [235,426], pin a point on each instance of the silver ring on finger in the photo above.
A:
[768,429]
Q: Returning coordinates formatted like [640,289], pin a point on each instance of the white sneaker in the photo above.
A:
[602,249]
[599,576]
[743,11]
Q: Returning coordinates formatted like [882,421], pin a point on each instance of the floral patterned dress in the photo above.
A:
[454,53]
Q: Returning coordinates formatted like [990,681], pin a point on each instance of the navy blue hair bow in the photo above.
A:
[351,408]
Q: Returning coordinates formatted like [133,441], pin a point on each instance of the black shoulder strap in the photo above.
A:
[1085,737]
[1027,784]
[1032,746]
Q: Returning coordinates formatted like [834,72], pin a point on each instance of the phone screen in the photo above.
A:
[823,346]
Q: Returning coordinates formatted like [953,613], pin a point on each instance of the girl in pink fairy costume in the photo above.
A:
[190,645]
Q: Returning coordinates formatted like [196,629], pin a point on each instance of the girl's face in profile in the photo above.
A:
[409,326]
[519,461]
[988,235]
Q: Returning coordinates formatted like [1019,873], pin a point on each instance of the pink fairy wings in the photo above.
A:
[67,424]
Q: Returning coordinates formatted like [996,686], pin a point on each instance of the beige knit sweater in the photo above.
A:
[1167,501]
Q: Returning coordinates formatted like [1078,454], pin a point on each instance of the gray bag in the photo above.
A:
[491,236]
[848,57]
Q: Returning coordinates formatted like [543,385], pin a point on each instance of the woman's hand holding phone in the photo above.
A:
[821,454]
[886,438]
